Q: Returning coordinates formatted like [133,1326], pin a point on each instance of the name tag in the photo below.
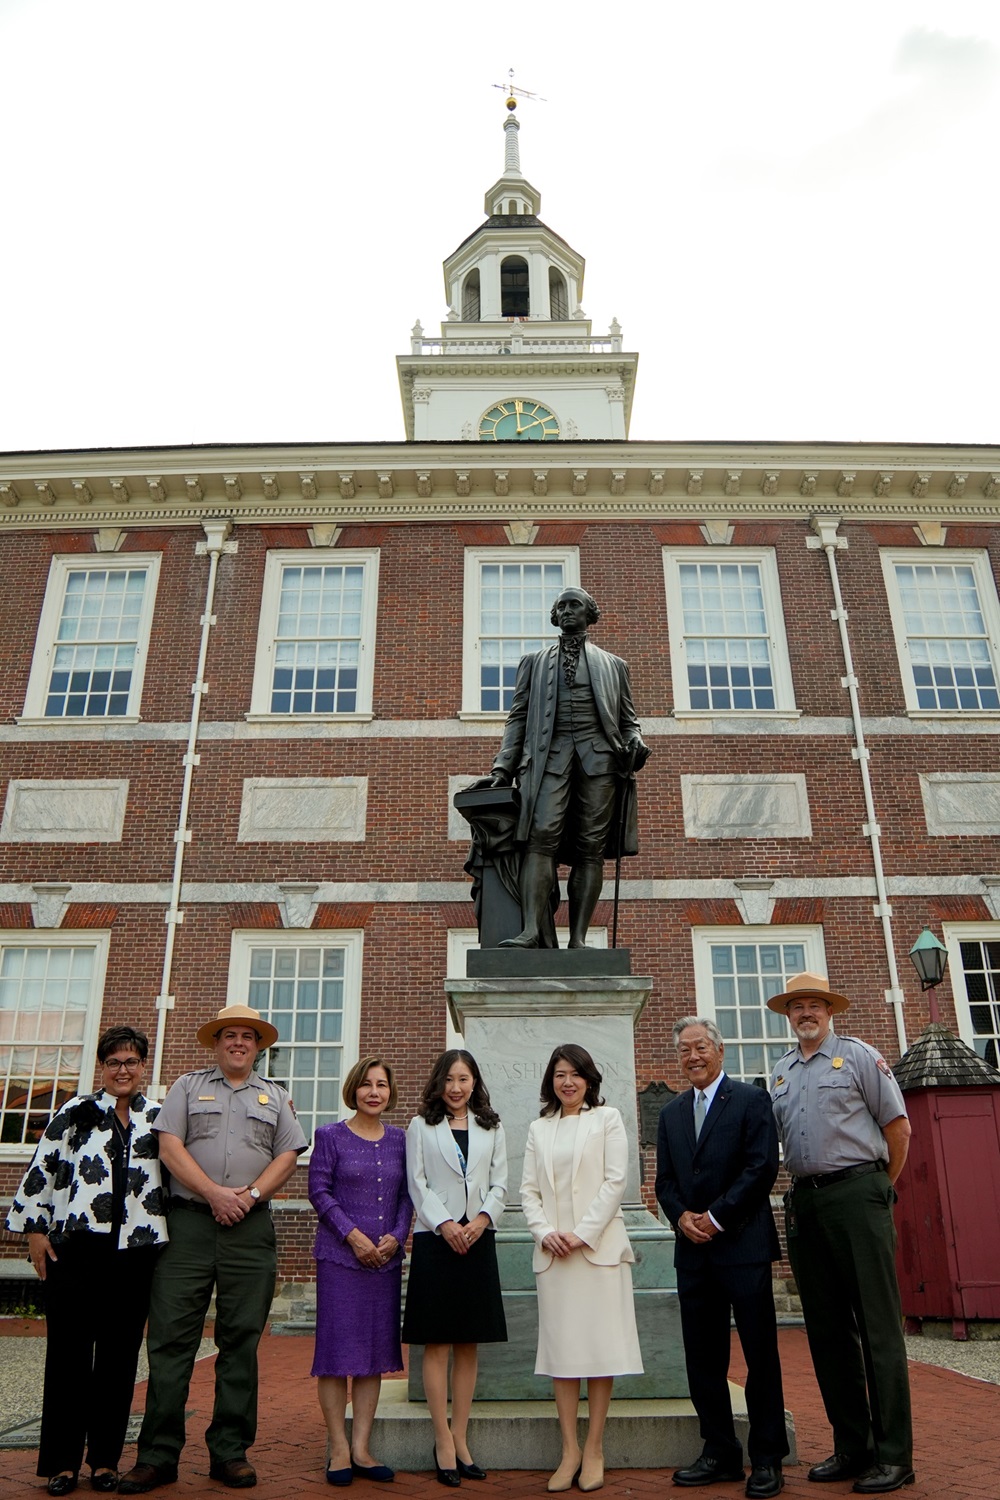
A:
[206,1098]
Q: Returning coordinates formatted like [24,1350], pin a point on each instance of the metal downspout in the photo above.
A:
[826,531]
[215,534]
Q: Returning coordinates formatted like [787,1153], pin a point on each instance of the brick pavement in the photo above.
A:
[956,1420]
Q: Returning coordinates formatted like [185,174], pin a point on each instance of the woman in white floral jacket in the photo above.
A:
[91,1205]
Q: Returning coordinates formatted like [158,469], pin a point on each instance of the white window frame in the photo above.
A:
[351,940]
[956,933]
[277,560]
[475,557]
[462,940]
[48,623]
[702,939]
[781,671]
[72,938]
[989,604]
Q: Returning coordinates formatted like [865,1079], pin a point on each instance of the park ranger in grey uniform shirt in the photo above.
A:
[230,1140]
[842,1123]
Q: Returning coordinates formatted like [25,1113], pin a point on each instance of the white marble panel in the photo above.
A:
[746,807]
[64,812]
[957,802]
[511,1027]
[303,809]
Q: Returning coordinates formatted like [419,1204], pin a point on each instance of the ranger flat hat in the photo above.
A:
[804,987]
[234,1015]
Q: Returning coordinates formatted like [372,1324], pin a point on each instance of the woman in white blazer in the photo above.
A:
[456,1167]
[575,1169]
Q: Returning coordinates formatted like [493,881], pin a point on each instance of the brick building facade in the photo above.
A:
[239,685]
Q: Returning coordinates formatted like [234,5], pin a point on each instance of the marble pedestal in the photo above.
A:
[511,1026]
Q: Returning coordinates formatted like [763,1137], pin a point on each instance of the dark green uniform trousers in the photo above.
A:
[239,1263]
[842,1247]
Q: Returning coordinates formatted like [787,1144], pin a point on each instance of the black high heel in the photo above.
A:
[470,1471]
[450,1477]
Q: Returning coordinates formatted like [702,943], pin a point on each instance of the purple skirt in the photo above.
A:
[357,1320]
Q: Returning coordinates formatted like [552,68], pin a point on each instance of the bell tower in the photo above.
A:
[516,360]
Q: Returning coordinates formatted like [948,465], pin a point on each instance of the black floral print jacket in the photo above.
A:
[67,1188]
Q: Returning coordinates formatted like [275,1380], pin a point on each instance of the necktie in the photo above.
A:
[699,1114]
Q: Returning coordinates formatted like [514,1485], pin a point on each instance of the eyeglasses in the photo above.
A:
[115,1064]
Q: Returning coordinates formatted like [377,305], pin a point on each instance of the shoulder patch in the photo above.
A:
[883,1066]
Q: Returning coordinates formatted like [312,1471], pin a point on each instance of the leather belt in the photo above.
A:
[827,1179]
[190,1206]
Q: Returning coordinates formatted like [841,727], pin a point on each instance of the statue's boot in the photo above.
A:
[538,876]
[584,890]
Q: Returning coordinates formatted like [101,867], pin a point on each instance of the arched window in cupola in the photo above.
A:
[470,298]
[514,287]
[558,299]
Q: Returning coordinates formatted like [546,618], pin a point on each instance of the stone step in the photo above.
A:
[525,1434]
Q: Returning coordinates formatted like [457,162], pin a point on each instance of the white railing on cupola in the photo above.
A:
[518,342]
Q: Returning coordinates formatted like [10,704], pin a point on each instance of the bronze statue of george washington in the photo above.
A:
[573,743]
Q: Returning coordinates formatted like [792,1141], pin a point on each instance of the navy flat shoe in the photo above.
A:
[339,1476]
[381,1473]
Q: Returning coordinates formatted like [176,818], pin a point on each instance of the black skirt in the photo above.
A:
[454,1299]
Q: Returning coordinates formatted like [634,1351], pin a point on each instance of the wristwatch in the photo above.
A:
[254,1193]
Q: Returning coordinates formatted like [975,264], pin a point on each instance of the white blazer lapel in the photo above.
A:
[548,1146]
[588,1122]
[447,1146]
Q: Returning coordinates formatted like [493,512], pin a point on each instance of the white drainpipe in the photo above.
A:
[216,532]
[826,531]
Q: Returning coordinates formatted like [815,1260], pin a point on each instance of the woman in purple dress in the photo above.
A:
[357,1185]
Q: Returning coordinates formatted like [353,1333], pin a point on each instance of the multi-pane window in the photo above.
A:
[975,981]
[946,619]
[508,603]
[738,971]
[49,1005]
[317,634]
[92,639]
[309,991]
[726,640]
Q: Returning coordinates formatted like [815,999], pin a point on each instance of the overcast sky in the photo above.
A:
[222,217]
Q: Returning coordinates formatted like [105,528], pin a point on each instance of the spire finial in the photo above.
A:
[512,157]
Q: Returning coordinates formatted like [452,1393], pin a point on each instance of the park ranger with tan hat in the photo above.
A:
[843,1126]
[230,1140]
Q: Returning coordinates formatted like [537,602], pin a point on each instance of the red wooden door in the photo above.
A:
[970,1147]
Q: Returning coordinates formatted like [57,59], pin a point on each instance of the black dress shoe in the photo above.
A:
[470,1471]
[881,1478]
[709,1471]
[451,1477]
[839,1466]
[106,1483]
[381,1473]
[765,1480]
[62,1484]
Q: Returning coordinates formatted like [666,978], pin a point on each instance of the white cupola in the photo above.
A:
[514,289]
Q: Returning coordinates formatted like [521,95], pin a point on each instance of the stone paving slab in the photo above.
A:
[957,1419]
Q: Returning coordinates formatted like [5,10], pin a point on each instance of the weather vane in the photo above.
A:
[513,94]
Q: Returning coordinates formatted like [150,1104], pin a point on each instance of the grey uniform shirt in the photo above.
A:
[830,1107]
[233,1131]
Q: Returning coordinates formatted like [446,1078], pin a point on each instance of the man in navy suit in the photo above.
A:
[716,1161]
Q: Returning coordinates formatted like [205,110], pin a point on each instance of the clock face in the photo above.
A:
[519,420]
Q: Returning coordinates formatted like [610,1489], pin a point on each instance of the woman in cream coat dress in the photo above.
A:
[575,1168]
[456,1165]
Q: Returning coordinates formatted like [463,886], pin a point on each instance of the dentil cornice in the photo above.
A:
[342,483]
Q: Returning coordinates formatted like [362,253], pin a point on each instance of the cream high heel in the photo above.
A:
[591,1478]
[565,1477]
